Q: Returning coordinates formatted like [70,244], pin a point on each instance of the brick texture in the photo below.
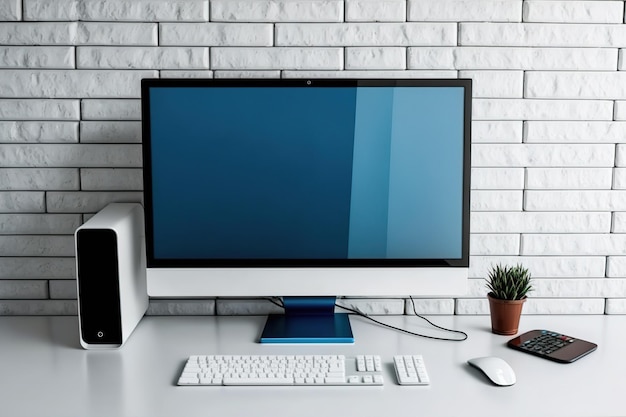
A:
[549,126]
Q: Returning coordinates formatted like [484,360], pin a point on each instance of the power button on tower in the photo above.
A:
[100,334]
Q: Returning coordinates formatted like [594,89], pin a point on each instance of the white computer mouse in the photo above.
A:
[496,369]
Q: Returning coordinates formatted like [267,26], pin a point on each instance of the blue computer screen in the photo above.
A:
[307,173]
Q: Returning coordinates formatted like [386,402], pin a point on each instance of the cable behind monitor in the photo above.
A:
[278,302]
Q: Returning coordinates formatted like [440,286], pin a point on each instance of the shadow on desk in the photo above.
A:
[45,330]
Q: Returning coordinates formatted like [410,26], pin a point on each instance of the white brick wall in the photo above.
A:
[549,125]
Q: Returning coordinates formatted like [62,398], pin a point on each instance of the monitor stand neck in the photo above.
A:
[308,320]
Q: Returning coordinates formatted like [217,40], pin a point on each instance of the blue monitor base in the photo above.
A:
[306,328]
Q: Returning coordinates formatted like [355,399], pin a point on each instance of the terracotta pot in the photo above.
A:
[505,315]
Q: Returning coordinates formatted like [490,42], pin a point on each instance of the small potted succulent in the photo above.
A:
[508,288]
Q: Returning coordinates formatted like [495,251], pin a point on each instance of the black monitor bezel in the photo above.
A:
[153,262]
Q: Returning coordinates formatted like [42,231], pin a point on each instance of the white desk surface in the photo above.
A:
[43,371]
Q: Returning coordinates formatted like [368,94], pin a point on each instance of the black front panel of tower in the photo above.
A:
[98,286]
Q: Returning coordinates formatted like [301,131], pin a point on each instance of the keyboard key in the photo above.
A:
[257,381]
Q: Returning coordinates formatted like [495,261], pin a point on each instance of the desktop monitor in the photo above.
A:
[306,189]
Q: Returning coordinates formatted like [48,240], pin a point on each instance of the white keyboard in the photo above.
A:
[282,370]
[410,370]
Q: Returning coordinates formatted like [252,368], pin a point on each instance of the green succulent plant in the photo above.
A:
[509,282]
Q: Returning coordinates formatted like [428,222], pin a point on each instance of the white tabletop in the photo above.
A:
[43,371]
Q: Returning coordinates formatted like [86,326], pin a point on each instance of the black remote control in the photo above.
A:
[552,345]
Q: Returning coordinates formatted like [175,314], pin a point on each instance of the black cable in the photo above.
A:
[437,326]
[357,312]
[278,302]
